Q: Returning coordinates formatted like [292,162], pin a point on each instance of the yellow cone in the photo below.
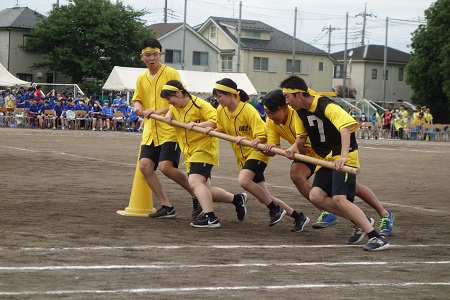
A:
[141,203]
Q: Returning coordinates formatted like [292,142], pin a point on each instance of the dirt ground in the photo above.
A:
[61,237]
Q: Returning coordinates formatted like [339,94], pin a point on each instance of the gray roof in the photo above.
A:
[279,41]
[374,53]
[161,29]
[19,17]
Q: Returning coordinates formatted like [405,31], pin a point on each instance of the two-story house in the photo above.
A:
[365,66]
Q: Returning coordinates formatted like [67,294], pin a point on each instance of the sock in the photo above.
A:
[236,199]
[210,215]
[373,234]
[272,206]
[295,214]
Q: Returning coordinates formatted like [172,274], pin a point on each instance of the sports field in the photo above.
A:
[61,237]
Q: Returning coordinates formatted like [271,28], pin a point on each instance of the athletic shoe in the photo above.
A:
[164,212]
[197,211]
[376,243]
[358,233]
[325,220]
[241,209]
[387,225]
[276,215]
[206,222]
[300,223]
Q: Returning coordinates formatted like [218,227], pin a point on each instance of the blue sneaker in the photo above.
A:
[387,225]
[325,220]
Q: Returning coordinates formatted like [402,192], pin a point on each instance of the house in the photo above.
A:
[365,66]
[15,27]
[265,52]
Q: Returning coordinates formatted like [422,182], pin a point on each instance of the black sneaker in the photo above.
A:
[276,215]
[164,212]
[300,223]
[206,222]
[241,209]
[197,212]
[376,243]
[358,233]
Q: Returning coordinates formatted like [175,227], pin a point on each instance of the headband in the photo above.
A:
[150,49]
[225,88]
[293,91]
[170,88]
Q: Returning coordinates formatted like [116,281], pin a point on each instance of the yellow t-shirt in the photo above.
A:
[9,103]
[288,131]
[148,90]
[244,121]
[196,146]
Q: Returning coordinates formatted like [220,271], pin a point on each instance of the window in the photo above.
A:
[200,58]
[227,63]
[252,34]
[374,73]
[320,65]
[304,66]
[297,65]
[24,76]
[339,71]
[400,74]
[387,73]
[172,56]
[212,32]
[260,64]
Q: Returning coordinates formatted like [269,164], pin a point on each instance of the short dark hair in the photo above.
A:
[274,100]
[295,82]
[150,42]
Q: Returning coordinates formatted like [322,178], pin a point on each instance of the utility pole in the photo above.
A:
[293,43]
[239,39]
[344,81]
[165,11]
[364,15]
[385,64]
[330,29]
[183,63]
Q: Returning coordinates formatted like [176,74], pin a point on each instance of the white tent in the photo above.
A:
[7,79]
[124,79]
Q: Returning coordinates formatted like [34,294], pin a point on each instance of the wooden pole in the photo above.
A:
[278,151]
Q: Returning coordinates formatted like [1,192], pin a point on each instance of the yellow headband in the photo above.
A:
[293,91]
[170,88]
[228,89]
[150,49]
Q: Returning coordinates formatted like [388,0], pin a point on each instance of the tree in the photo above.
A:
[349,93]
[87,38]
[428,71]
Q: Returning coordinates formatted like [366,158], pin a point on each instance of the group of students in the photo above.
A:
[314,125]
[395,123]
[55,109]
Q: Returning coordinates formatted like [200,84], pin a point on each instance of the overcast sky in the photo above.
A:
[312,17]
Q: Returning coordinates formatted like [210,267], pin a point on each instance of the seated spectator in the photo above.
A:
[9,102]
[96,115]
[42,115]
[33,112]
[82,106]
[58,114]
[399,125]
[136,123]
[365,130]
[115,103]
[107,114]
[68,118]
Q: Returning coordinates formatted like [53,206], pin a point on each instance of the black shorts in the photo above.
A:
[336,183]
[386,126]
[167,151]
[201,169]
[311,167]
[258,167]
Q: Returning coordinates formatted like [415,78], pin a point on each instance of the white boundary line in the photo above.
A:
[227,288]
[168,266]
[177,247]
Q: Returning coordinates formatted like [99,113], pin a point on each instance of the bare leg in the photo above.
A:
[147,168]
[201,189]
[245,180]
[167,168]
[368,196]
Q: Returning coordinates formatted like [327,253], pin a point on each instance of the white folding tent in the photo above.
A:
[124,79]
[7,79]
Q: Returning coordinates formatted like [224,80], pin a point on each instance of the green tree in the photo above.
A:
[428,71]
[87,38]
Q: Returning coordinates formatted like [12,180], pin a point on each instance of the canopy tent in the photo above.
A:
[7,79]
[124,79]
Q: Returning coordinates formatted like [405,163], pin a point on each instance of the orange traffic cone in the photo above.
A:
[141,204]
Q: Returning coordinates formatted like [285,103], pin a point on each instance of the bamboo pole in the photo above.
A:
[278,151]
